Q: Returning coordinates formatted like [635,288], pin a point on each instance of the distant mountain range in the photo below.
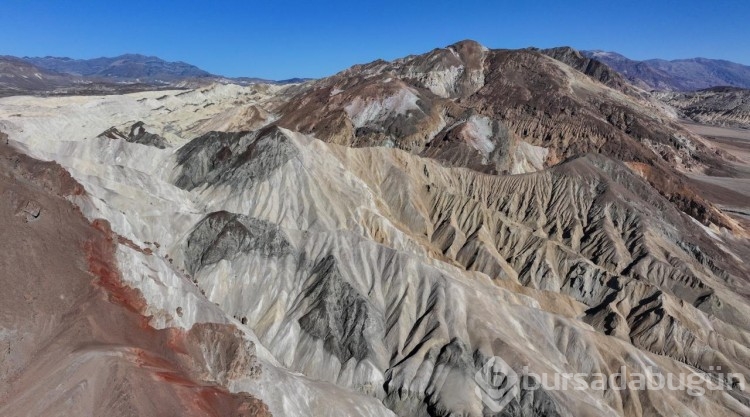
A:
[133,72]
[676,75]
[123,68]
[124,73]
[18,74]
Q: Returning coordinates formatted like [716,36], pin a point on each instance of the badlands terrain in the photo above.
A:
[718,106]
[366,244]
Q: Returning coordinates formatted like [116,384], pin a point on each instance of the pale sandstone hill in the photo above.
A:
[84,321]
[586,240]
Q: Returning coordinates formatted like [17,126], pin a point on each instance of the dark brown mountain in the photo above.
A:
[470,106]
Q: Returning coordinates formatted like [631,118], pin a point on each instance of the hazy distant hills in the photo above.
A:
[23,75]
[18,77]
[123,68]
[709,91]
[139,68]
[676,75]
[590,66]
[120,74]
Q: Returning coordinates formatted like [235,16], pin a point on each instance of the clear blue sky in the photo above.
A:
[288,38]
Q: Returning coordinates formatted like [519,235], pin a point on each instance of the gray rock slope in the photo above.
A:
[400,278]
[137,134]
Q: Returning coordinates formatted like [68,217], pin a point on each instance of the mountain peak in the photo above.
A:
[467,44]
[129,67]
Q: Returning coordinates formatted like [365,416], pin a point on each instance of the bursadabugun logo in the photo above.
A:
[694,383]
[497,384]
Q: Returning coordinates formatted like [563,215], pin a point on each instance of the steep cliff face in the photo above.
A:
[445,229]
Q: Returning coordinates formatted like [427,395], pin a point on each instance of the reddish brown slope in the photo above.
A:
[73,339]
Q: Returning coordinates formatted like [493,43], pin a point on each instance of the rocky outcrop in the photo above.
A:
[137,134]
[721,106]
[232,158]
[224,235]
[334,312]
